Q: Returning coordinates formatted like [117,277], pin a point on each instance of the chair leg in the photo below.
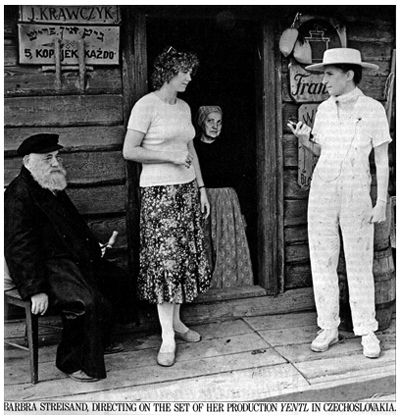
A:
[32,335]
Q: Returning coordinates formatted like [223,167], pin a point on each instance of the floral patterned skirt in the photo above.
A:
[226,242]
[173,263]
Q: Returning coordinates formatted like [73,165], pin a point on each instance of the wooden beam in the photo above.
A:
[99,200]
[134,81]
[27,80]
[93,138]
[269,167]
[66,110]
[84,168]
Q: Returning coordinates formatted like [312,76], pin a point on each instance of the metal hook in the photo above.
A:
[296,18]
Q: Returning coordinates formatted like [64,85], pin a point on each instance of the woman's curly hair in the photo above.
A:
[169,63]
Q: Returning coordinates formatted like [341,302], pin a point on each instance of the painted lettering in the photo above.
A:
[44,53]
[52,13]
[84,17]
[72,14]
[43,15]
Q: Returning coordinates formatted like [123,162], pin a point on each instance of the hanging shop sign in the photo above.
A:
[304,43]
[37,44]
[108,15]
[306,160]
[319,35]
[65,31]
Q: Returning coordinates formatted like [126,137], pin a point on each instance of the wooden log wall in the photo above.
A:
[375,38]
[91,128]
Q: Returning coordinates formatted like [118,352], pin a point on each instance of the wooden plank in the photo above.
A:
[102,228]
[63,111]
[72,138]
[99,200]
[269,167]
[369,30]
[297,300]
[192,360]
[10,56]
[84,168]
[130,339]
[356,387]
[298,276]
[290,301]
[134,80]
[290,150]
[289,109]
[244,385]
[317,371]
[296,234]
[295,212]
[230,293]
[29,80]
[143,360]
[350,347]
[297,253]
[373,52]
[292,189]
[291,336]
[278,322]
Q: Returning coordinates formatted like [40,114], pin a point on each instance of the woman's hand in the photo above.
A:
[205,205]
[301,131]
[378,213]
[182,158]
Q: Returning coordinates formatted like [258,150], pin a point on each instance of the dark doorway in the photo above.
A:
[227,49]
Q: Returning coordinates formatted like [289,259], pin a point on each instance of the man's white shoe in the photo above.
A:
[371,346]
[325,338]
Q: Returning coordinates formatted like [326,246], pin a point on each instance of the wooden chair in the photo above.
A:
[12,297]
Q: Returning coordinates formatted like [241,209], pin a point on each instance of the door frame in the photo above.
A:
[270,209]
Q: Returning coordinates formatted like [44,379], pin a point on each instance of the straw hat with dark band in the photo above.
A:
[337,56]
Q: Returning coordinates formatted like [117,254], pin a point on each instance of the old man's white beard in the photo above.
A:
[54,181]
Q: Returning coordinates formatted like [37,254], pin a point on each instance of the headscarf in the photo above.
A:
[204,111]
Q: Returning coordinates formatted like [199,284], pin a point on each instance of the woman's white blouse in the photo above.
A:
[166,128]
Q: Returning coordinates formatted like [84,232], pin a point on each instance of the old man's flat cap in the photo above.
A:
[39,143]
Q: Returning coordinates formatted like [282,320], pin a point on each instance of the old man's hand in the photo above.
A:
[40,303]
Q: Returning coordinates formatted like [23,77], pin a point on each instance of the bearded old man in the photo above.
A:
[56,262]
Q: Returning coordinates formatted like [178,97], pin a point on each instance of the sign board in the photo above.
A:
[307,160]
[36,44]
[321,34]
[108,15]
[306,86]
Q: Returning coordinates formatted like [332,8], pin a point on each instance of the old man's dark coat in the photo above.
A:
[50,249]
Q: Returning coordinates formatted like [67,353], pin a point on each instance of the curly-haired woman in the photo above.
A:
[173,263]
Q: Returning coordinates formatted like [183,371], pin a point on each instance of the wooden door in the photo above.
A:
[268,228]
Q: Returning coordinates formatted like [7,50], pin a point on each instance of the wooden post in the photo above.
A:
[269,167]
[134,81]
[82,65]
[57,58]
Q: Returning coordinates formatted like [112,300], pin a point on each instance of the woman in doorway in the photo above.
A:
[225,237]
[173,263]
